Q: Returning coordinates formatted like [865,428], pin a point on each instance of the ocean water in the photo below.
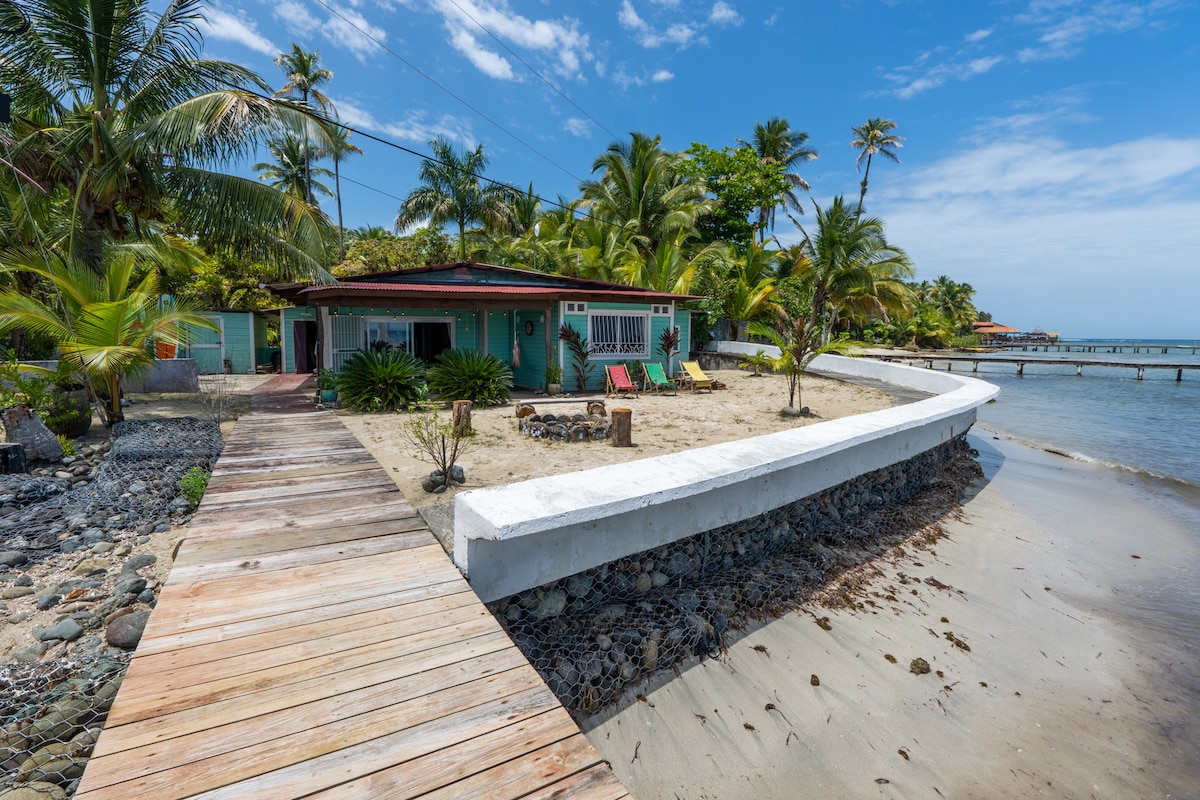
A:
[1106,415]
[1150,431]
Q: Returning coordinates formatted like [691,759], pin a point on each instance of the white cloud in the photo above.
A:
[925,73]
[296,18]
[628,17]
[578,127]
[486,61]
[1065,26]
[662,75]
[414,127]
[470,21]
[978,36]
[724,14]
[349,29]
[771,20]
[222,25]
[1057,235]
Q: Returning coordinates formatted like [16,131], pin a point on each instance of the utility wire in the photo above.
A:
[313,114]
[429,78]
[539,75]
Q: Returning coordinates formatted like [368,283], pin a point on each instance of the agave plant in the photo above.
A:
[381,380]
[470,375]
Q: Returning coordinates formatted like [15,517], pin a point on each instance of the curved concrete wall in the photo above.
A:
[515,537]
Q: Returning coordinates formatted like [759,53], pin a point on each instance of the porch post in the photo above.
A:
[549,322]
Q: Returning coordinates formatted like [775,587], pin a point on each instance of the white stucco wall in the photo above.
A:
[514,537]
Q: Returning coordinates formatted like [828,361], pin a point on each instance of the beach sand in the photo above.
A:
[661,424]
[1052,577]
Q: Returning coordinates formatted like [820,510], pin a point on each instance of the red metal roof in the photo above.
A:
[489,290]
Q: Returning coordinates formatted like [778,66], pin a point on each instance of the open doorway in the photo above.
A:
[304,345]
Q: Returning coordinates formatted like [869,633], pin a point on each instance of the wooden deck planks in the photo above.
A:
[313,639]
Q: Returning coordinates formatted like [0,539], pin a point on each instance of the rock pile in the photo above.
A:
[593,633]
[566,427]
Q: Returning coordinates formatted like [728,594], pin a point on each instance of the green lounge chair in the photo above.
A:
[655,379]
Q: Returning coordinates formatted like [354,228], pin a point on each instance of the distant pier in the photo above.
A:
[1067,347]
[975,361]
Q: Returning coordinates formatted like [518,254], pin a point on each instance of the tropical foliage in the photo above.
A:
[470,375]
[106,325]
[381,380]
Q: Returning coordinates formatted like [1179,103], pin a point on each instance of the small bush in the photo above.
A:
[67,444]
[469,375]
[193,485]
[381,381]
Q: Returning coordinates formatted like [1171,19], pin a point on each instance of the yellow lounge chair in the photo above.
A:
[694,377]
[656,379]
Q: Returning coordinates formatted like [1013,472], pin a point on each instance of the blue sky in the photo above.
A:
[1051,155]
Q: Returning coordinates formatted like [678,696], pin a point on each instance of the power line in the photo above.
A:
[429,78]
[554,88]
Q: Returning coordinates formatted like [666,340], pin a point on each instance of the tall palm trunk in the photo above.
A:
[863,191]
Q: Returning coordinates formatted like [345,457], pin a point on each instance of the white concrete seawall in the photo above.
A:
[515,537]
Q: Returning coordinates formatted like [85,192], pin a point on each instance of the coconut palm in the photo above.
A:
[453,190]
[107,324]
[798,340]
[953,300]
[304,75]
[775,142]
[848,260]
[870,139]
[291,171]
[115,108]
[336,145]
[642,195]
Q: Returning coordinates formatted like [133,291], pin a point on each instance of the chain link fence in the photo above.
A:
[594,633]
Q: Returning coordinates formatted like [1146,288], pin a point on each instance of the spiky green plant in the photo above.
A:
[372,380]
[470,375]
[581,351]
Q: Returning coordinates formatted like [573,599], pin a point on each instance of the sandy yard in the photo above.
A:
[661,424]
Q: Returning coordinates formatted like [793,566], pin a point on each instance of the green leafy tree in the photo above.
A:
[422,248]
[106,324]
[874,138]
[114,108]
[741,183]
[777,145]
[453,190]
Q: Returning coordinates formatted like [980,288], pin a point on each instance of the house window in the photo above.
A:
[616,335]
[576,308]
[423,339]
[660,309]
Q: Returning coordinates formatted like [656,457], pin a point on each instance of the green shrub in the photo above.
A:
[381,381]
[470,375]
[193,485]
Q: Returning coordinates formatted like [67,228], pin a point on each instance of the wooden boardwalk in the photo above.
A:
[314,640]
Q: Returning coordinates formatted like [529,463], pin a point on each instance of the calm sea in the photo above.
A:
[1151,429]
[1105,415]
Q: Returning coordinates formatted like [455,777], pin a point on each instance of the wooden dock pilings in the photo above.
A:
[1141,367]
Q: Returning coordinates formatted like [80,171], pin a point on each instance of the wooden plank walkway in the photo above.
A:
[314,640]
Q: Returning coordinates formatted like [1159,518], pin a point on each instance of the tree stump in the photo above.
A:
[462,417]
[622,427]
[23,426]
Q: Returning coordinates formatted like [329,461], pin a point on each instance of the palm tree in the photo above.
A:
[953,300]
[641,195]
[115,108]
[107,324]
[291,172]
[798,341]
[453,190]
[870,139]
[775,142]
[337,146]
[847,259]
[304,75]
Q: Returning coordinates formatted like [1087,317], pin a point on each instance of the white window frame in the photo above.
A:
[661,311]
[574,307]
[619,351]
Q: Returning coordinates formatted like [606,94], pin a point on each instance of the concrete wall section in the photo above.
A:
[515,537]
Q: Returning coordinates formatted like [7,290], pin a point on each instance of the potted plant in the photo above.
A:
[554,375]
[327,385]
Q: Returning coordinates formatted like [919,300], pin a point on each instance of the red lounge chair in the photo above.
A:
[617,381]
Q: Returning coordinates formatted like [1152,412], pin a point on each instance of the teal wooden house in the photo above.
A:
[512,314]
[238,345]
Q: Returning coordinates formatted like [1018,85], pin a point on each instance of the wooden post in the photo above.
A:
[622,427]
[462,417]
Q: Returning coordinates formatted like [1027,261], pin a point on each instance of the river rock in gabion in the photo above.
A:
[593,633]
[126,631]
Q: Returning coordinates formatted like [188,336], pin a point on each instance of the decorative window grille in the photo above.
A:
[344,337]
[617,335]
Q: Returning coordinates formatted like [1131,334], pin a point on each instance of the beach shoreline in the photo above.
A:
[1080,679]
